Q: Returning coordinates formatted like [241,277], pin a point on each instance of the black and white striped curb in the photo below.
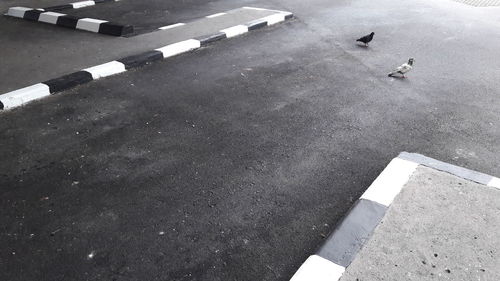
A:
[217,15]
[77,5]
[87,24]
[22,96]
[355,229]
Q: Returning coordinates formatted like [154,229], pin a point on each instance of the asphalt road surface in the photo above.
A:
[235,161]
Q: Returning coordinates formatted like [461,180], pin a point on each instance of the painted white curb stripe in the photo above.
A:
[390,182]
[172,26]
[106,69]
[494,182]
[216,15]
[180,47]
[17,12]
[50,17]
[77,5]
[235,30]
[24,95]
[89,24]
[316,268]
[274,19]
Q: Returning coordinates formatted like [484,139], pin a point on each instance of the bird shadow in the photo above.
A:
[400,78]
[363,46]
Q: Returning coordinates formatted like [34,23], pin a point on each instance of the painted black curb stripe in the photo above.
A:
[256,25]
[68,81]
[67,21]
[204,40]
[351,234]
[446,167]
[32,15]
[58,8]
[141,59]
[115,29]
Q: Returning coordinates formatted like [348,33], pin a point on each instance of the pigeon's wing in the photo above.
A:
[364,38]
[400,68]
[360,39]
[403,68]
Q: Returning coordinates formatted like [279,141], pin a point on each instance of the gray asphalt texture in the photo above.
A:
[440,227]
[235,161]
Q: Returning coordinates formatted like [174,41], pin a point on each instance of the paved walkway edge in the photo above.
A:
[356,228]
[25,95]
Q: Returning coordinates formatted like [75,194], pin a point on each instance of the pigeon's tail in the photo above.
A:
[359,40]
[390,74]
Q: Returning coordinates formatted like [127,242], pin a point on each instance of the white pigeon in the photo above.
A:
[402,69]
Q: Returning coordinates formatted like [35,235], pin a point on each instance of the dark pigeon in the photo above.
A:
[366,39]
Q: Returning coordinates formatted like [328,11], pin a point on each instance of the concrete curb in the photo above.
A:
[251,25]
[22,96]
[77,5]
[87,24]
[356,228]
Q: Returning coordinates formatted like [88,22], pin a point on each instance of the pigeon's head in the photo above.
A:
[410,61]
[373,33]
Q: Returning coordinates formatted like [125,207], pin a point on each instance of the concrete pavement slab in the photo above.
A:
[441,227]
[367,232]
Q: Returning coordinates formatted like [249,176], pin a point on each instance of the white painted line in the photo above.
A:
[235,30]
[262,9]
[253,8]
[50,17]
[390,182]
[216,15]
[24,95]
[274,19]
[106,69]
[494,182]
[172,26]
[180,47]
[316,268]
[82,4]
[89,24]
[17,12]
